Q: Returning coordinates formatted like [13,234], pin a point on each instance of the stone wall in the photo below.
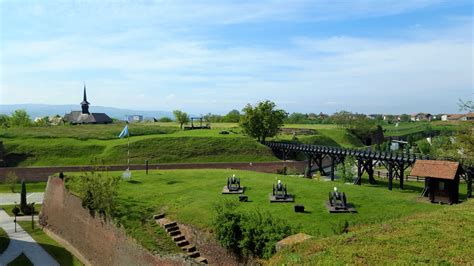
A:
[98,241]
[35,174]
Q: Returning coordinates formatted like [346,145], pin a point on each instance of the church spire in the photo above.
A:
[85,103]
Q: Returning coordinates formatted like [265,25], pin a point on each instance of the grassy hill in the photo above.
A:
[439,237]
[155,142]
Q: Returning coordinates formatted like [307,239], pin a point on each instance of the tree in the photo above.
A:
[11,180]
[98,191]
[345,170]
[466,106]
[181,117]
[405,118]
[232,117]
[165,119]
[43,121]
[4,121]
[297,118]
[263,120]
[20,118]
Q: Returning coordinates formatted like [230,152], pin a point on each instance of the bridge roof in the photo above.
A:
[436,169]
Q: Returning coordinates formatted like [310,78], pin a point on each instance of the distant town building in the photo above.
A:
[421,117]
[456,117]
[134,118]
[84,116]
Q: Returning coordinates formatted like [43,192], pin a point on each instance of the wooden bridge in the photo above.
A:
[395,163]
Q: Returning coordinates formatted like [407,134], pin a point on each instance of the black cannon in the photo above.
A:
[337,199]
[233,183]
[233,186]
[280,193]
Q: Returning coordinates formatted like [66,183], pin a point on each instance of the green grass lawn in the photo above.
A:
[4,240]
[443,237]
[409,128]
[190,196]
[30,187]
[58,252]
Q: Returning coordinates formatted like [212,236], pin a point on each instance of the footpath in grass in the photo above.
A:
[58,252]
[442,237]
[190,197]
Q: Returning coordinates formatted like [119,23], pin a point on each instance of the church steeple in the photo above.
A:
[85,103]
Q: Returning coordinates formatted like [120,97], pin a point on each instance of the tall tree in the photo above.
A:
[181,117]
[233,116]
[20,118]
[263,120]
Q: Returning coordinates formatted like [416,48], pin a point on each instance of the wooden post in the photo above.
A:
[308,172]
[359,172]
[469,175]
[332,168]
[390,176]
[370,171]
[146,166]
[402,173]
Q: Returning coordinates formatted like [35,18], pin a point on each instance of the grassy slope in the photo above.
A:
[68,145]
[409,128]
[59,253]
[190,196]
[182,146]
[4,240]
[441,237]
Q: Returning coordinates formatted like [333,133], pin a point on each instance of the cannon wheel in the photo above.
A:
[344,202]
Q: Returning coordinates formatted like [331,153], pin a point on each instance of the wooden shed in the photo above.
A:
[441,179]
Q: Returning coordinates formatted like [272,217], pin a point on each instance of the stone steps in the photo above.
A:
[188,248]
[178,238]
[174,232]
[182,243]
[194,254]
[201,260]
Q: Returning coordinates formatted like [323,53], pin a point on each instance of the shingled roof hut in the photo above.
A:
[441,179]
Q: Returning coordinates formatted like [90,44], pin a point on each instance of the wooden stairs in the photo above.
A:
[174,232]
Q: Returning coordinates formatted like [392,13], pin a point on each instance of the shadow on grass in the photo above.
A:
[134,182]
[172,182]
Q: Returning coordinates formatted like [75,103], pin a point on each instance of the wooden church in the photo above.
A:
[84,116]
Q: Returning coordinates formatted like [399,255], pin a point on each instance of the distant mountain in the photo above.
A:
[36,110]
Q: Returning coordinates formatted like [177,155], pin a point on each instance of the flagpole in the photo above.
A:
[128,149]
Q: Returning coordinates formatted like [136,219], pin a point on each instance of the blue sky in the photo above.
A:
[380,56]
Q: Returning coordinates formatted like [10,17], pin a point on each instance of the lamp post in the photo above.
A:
[15,211]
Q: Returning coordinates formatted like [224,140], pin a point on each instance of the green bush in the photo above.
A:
[98,191]
[249,234]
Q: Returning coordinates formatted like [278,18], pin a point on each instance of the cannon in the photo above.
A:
[233,183]
[233,186]
[280,190]
[280,193]
[338,202]
[337,199]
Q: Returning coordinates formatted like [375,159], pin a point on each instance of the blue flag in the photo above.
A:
[124,132]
